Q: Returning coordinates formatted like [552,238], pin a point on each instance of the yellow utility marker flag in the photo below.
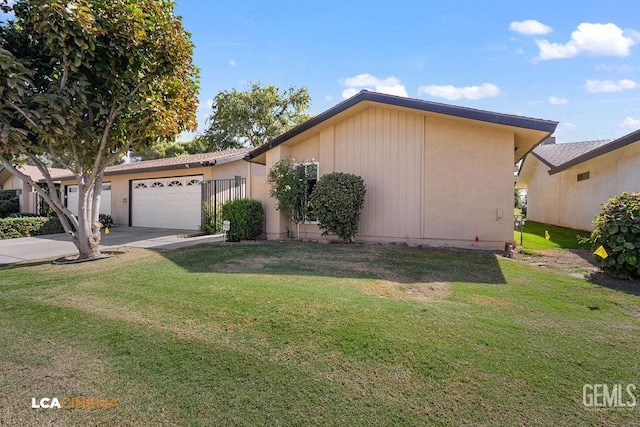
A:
[546,235]
[601,252]
[106,230]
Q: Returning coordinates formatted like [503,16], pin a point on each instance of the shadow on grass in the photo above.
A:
[605,279]
[394,263]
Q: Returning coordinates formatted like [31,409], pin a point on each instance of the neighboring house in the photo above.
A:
[436,174]
[29,199]
[568,183]
[165,193]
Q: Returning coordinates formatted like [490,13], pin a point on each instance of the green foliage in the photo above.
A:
[211,221]
[337,200]
[617,229]
[9,202]
[83,82]
[246,219]
[106,220]
[11,228]
[289,188]
[253,117]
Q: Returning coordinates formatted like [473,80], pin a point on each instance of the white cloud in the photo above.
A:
[390,85]
[569,125]
[530,27]
[631,123]
[591,39]
[233,63]
[210,103]
[598,86]
[485,90]
[557,101]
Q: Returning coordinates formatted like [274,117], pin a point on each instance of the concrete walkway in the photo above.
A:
[58,245]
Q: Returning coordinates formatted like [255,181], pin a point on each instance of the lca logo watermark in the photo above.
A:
[74,403]
[609,396]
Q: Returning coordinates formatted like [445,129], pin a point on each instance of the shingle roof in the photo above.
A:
[36,175]
[554,155]
[559,157]
[173,163]
[212,158]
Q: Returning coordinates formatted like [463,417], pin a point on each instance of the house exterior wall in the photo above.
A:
[430,179]
[543,194]
[28,197]
[120,183]
[561,199]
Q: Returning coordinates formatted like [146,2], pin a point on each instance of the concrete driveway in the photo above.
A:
[58,245]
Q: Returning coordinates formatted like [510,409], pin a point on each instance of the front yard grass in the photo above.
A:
[559,237]
[308,334]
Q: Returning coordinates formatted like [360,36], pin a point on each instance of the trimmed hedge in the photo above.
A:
[246,217]
[337,200]
[11,228]
[9,202]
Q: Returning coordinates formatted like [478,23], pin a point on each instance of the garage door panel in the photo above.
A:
[167,202]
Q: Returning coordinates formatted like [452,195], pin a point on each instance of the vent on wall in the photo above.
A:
[583,176]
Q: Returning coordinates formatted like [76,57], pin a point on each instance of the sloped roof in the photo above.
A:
[554,155]
[416,104]
[34,173]
[176,163]
[599,151]
[559,157]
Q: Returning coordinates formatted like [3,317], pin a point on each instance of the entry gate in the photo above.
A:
[215,193]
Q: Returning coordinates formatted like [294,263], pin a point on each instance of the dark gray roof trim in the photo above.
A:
[604,149]
[416,104]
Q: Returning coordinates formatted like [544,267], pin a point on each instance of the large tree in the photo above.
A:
[253,117]
[84,81]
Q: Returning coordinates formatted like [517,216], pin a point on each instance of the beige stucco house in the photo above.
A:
[436,174]
[164,193]
[29,199]
[567,183]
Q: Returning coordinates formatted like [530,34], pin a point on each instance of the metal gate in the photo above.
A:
[215,193]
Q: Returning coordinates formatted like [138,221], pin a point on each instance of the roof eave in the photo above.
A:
[416,104]
[604,149]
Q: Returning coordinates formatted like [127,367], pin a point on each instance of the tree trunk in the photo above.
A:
[88,233]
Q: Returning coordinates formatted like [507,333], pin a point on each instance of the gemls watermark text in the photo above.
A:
[74,403]
[609,395]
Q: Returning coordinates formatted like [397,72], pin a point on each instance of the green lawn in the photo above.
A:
[559,237]
[308,334]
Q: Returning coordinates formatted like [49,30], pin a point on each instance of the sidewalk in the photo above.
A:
[58,245]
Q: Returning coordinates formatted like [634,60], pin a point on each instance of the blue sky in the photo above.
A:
[574,62]
[577,63]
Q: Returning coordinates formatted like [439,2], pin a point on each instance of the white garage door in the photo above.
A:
[167,202]
[105,199]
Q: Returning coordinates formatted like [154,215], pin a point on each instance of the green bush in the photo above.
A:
[9,202]
[246,217]
[617,229]
[11,228]
[336,201]
[106,220]
[23,215]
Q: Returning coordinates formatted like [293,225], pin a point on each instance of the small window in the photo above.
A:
[141,185]
[106,187]
[157,184]
[583,176]
[72,189]
[175,184]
